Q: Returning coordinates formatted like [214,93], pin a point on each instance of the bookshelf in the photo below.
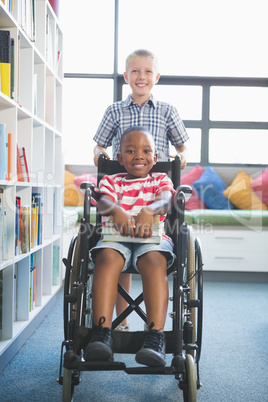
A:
[32,114]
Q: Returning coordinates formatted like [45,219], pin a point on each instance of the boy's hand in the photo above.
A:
[97,151]
[124,223]
[183,160]
[181,150]
[144,224]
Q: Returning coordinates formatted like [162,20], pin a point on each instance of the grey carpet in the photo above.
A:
[233,366]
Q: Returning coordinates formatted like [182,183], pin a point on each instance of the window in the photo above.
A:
[88,28]
[239,103]
[84,103]
[206,51]
[197,38]
[238,146]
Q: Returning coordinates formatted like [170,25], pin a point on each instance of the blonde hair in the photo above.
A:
[142,53]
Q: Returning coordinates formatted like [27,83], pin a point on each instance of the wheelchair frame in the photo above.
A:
[184,341]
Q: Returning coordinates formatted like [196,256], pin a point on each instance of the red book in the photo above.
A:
[25,164]
[19,166]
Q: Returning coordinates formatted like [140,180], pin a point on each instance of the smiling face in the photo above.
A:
[141,75]
[137,153]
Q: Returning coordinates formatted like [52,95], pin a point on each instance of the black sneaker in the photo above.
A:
[152,353]
[100,345]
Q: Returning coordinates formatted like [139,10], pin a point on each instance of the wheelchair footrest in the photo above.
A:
[117,366]
[128,342]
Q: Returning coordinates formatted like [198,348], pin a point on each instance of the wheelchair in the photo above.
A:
[184,341]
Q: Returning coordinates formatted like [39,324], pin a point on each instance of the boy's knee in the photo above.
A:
[152,260]
[108,256]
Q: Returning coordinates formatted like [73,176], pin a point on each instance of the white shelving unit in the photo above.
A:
[34,119]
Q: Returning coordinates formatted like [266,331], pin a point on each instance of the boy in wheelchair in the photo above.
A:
[132,199]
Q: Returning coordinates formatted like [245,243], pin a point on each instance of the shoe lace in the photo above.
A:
[154,339]
[100,333]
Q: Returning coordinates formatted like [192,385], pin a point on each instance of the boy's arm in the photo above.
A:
[97,151]
[123,222]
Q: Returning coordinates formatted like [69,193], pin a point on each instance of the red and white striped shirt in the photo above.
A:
[134,194]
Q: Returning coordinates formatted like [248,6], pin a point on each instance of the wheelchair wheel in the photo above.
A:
[190,388]
[68,386]
[195,282]
[191,278]
[70,289]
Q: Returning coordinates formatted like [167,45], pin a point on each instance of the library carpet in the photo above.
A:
[233,365]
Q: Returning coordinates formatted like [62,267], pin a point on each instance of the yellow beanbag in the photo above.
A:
[241,195]
[72,196]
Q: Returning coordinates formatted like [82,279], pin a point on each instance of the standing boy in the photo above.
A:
[140,108]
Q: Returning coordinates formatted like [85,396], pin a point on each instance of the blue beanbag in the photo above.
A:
[209,187]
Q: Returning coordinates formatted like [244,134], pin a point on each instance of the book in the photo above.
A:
[20,176]
[25,229]
[33,225]
[37,199]
[3,152]
[18,226]
[12,74]
[15,292]
[3,229]
[32,287]
[109,233]
[24,11]
[5,240]
[24,164]
[5,62]
[9,156]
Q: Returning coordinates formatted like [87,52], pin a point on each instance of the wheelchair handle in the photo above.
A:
[94,191]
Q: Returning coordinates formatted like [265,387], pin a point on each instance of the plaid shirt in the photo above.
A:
[159,118]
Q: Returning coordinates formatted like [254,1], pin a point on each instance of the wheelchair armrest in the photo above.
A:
[94,191]
[186,190]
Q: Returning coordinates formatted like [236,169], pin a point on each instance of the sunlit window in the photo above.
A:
[84,103]
[193,146]
[194,41]
[88,28]
[238,146]
[198,38]
[239,103]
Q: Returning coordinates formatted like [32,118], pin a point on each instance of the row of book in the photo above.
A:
[6,145]
[24,12]
[28,224]
[109,233]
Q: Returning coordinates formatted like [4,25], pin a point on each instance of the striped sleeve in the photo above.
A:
[164,183]
[107,186]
